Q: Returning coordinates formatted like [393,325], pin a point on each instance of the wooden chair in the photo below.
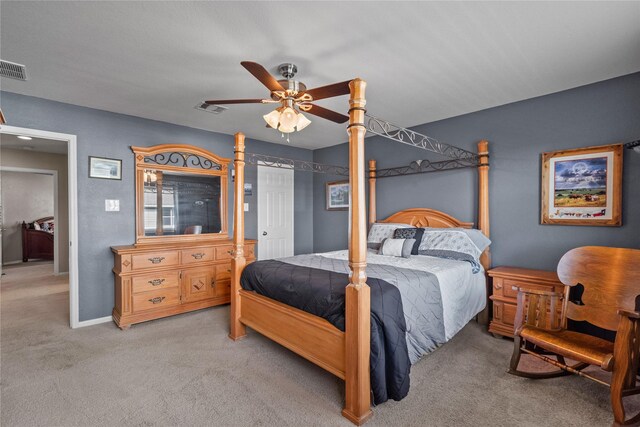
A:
[610,281]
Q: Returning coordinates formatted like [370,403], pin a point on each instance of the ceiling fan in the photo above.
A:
[292,95]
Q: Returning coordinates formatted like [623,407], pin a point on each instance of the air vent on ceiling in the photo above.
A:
[13,70]
[214,109]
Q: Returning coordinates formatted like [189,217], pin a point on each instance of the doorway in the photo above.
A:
[30,203]
[29,151]
[275,212]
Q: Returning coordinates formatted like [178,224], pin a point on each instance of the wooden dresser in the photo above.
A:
[505,281]
[154,281]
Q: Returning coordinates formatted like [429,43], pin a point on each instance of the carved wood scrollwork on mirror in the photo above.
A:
[181,194]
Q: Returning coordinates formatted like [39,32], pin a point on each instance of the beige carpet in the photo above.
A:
[185,371]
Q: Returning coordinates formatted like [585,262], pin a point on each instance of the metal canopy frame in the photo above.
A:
[299,165]
[424,166]
[406,136]
[459,158]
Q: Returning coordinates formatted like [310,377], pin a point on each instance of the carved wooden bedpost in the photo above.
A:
[357,407]
[372,192]
[236,329]
[483,197]
[483,214]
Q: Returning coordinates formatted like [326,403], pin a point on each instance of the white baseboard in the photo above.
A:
[12,262]
[92,322]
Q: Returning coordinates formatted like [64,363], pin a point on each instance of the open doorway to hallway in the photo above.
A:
[38,214]
[35,216]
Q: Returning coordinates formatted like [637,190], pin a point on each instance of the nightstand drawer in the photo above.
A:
[508,286]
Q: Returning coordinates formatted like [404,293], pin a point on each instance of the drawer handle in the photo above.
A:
[199,285]
[228,270]
[231,252]
[156,300]
[156,259]
[198,255]
[497,286]
[156,282]
[213,283]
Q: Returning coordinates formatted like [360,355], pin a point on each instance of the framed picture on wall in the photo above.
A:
[582,186]
[100,167]
[338,195]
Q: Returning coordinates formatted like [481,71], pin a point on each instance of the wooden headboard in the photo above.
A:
[422,217]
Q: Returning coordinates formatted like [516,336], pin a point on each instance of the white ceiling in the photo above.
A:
[423,61]
[35,144]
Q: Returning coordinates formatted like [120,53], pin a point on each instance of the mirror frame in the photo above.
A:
[142,152]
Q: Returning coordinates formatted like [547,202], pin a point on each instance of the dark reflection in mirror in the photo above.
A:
[180,203]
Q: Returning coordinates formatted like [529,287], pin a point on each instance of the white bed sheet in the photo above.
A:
[464,294]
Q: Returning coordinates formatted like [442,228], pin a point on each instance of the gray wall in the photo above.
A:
[602,113]
[106,134]
[58,162]
[25,197]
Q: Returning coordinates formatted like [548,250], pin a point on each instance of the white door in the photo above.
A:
[275,212]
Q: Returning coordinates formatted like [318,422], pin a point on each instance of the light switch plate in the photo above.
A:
[112,205]
[246,207]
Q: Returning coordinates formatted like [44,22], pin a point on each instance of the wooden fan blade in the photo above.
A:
[326,114]
[234,101]
[329,91]
[260,73]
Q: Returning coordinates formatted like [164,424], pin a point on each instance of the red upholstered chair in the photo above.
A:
[610,278]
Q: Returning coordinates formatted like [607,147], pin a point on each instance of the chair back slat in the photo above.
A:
[611,281]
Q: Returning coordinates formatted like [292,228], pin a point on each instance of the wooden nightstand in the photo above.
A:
[506,280]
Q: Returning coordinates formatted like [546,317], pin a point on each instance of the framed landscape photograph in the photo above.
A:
[582,186]
[338,195]
[100,167]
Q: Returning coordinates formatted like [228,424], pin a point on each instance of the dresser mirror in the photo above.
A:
[181,194]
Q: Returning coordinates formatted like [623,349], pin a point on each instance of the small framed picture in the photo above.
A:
[100,167]
[582,186]
[338,196]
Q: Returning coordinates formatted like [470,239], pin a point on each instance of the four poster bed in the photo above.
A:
[342,345]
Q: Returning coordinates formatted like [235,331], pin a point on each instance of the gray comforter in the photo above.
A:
[420,293]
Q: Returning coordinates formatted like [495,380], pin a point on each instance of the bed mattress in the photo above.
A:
[417,304]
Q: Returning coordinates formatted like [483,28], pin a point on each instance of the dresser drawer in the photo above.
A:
[224,252]
[223,271]
[223,287]
[151,282]
[153,300]
[192,256]
[154,259]
[249,252]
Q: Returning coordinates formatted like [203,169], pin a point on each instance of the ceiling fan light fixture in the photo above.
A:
[303,122]
[288,118]
[273,118]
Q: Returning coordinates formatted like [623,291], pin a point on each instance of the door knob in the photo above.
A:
[264,233]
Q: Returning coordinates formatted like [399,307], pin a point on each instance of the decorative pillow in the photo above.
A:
[477,236]
[449,240]
[397,247]
[410,233]
[383,230]
[36,226]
